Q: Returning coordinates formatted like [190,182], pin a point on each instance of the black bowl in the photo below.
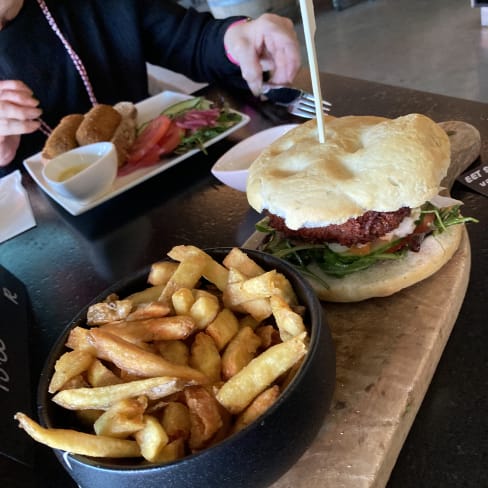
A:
[255,456]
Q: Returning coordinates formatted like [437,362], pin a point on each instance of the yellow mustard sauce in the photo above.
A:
[70,172]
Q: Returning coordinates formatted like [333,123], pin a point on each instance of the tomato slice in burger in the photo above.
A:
[425,225]
[149,137]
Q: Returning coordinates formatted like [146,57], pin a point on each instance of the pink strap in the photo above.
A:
[72,54]
[227,53]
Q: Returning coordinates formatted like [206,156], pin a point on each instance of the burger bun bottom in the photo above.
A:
[388,277]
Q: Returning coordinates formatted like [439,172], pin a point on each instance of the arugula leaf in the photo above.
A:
[447,216]
[332,263]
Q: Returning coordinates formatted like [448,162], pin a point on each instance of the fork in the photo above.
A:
[298,102]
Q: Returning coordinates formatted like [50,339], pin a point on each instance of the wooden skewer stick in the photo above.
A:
[309,28]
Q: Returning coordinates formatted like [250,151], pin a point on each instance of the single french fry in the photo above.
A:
[225,429]
[104,312]
[199,292]
[173,327]
[205,357]
[150,294]
[176,352]
[263,286]
[151,438]
[204,310]
[161,272]
[103,397]
[176,420]
[149,310]
[238,299]
[259,309]
[249,321]
[240,390]
[77,381]
[78,442]
[182,301]
[289,323]
[240,351]
[213,271]
[79,338]
[285,289]
[99,375]
[123,418]
[233,293]
[269,335]
[258,406]
[171,452]
[136,360]
[187,275]
[69,365]
[223,328]
[205,416]
[240,261]
[229,300]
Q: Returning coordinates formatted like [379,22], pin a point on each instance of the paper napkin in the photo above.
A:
[15,210]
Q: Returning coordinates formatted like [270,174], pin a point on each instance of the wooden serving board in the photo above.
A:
[387,351]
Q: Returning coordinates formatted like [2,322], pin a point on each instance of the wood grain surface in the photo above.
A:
[387,351]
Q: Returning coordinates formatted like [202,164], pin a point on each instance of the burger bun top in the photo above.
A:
[366,163]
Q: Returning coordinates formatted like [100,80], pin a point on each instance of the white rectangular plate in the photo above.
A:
[147,110]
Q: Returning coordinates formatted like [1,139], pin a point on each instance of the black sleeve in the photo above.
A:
[188,42]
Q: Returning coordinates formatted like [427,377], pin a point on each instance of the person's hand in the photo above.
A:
[268,43]
[18,115]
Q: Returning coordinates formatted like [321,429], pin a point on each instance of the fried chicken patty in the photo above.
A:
[361,230]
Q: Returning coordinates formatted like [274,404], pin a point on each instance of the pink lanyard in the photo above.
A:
[74,57]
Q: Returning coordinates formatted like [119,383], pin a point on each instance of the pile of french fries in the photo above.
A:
[198,355]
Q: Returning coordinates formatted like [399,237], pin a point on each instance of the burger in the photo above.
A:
[361,215]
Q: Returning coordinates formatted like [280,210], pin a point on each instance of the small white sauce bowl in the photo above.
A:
[83,173]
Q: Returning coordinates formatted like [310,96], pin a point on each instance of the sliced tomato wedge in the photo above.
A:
[150,136]
[423,227]
[154,151]
[171,140]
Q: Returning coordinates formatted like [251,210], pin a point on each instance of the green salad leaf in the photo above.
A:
[199,137]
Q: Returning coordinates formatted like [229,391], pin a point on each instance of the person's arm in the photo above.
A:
[18,115]
[192,43]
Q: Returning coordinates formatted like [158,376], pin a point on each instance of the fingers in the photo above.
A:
[17,127]
[267,43]
[15,119]
[19,110]
[251,68]
[286,64]
[13,110]
[281,47]
[15,88]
